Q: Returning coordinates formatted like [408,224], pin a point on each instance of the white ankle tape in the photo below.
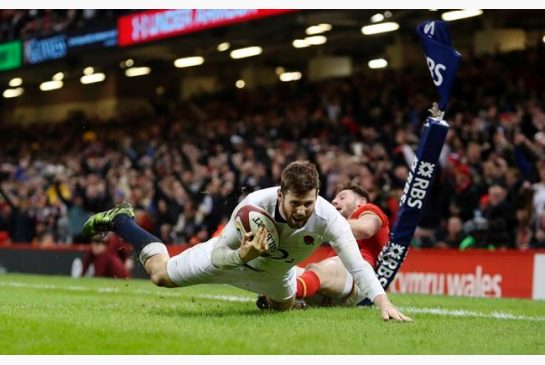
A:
[152,249]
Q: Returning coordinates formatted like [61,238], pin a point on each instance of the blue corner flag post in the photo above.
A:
[442,61]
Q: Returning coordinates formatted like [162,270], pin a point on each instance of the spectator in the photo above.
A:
[500,217]
[107,262]
[21,225]
[524,233]
[452,235]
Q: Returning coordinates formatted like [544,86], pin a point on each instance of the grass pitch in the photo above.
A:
[60,315]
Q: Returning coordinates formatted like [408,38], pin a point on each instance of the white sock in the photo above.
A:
[152,249]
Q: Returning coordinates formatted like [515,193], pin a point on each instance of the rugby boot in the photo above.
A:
[104,222]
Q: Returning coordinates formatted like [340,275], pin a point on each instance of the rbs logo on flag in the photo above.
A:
[441,59]
[435,71]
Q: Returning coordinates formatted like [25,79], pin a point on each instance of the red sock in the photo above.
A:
[307,284]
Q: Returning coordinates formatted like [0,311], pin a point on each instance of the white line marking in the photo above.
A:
[234,298]
[160,293]
[227,298]
[44,286]
[467,313]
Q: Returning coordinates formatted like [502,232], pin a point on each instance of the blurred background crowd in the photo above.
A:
[25,24]
[186,165]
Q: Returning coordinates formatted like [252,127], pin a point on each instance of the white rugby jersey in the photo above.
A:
[325,224]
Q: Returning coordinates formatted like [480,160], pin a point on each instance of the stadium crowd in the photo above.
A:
[31,23]
[186,167]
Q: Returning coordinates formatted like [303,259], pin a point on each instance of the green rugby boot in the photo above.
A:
[104,221]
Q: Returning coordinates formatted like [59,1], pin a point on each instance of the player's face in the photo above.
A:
[346,201]
[297,209]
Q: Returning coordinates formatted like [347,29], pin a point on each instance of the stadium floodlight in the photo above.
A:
[316,40]
[317,29]
[378,17]
[59,76]
[15,82]
[137,71]
[93,78]
[279,70]
[543,39]
[88,70]
[380,28]
[460,14]
[246,52]
[300,43]
[51,85]
[377,63]
[189,61]
[290,76]
[12,93]
[126,63]
[240,84]
[222,47]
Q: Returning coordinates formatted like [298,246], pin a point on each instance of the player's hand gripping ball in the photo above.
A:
[249,218]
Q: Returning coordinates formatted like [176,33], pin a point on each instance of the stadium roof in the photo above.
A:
[276,35]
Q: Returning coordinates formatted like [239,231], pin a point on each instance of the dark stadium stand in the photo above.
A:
[184,160]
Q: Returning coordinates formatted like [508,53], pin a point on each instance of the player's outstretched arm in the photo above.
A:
[365,226]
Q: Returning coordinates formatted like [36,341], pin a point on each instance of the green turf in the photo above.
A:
[60,315]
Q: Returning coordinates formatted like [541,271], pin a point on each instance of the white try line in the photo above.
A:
[467,313]
[234,298]
[160,292]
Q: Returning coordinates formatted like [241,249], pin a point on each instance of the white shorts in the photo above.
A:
[194,266]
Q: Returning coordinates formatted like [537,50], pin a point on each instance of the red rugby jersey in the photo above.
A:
[370,247]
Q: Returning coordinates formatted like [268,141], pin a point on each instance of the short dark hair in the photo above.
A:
[356,189]
[98,238]
[300,177]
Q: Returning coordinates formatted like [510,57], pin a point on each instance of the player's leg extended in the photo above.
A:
[152,252]
[328,277]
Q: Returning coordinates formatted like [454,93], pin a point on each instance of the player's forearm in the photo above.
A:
[226,253]
[224,257]
[382,301]
[366,225]
[367,283]
[363,228]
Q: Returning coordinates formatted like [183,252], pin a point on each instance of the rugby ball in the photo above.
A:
[249,218]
